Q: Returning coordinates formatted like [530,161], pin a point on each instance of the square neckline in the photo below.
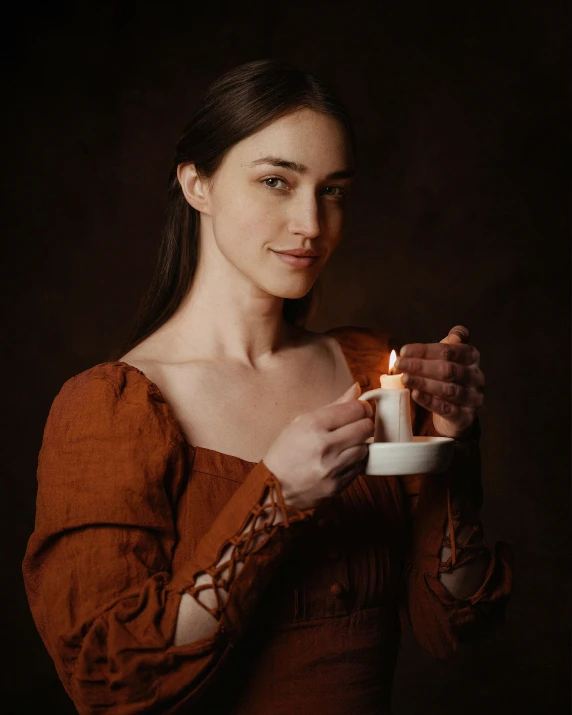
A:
[206,450]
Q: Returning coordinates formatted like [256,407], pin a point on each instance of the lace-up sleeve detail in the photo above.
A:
[98,568]
[473,544]
[266,517]
[444,516]
[446,536]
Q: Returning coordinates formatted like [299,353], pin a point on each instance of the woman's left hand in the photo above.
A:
[445,378]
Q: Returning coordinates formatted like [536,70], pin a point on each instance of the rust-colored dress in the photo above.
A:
[128,515]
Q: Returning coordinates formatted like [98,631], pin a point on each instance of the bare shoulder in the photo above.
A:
[230,407]
[150,359]
[323,348]
[310,351]
[310,340]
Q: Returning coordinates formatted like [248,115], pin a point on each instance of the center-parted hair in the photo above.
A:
[236,105]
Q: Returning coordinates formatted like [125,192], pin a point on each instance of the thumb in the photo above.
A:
[458,334]
[350,394]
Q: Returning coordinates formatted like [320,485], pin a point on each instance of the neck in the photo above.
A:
[225,316]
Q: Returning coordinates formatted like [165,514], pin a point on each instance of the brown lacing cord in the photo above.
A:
[260,523]
[470,549]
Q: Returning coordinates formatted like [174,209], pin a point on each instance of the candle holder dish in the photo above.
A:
[395,451]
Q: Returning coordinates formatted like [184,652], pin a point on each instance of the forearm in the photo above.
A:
[457,587]
[196,617]
[463,581]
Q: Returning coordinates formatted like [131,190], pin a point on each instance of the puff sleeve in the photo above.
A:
[98,566]
[441,621]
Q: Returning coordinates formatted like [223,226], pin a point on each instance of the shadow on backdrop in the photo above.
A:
[457,218]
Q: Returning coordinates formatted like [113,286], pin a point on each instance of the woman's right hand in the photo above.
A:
[319,453]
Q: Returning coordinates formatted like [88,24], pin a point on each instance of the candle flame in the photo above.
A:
[392,359]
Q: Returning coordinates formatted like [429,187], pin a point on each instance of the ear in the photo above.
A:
[195,189]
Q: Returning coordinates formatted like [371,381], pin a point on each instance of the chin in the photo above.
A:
[283,284]
[294,295]
[292,289]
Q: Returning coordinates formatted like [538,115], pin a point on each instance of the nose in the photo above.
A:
[305,217]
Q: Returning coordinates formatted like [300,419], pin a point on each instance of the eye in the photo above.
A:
[336,192]
[273,182]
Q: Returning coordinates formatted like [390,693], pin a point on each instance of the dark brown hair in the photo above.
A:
[235,106]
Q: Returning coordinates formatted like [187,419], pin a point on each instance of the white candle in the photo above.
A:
[392,381]
[393,418]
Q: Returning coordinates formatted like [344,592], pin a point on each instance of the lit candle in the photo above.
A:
[392,381]
[393,419]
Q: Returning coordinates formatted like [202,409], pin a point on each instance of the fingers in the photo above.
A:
[338,414]
[449,352]
[444,371]
[352,393]
[461,417]
[352,458]
[455,393]
[346,477]
[351,435]
[458,334]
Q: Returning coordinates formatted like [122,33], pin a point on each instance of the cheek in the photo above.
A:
[242,222]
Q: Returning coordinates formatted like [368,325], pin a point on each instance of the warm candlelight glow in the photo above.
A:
[392,359]
[392,381]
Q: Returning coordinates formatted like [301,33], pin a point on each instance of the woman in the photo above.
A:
[205,533]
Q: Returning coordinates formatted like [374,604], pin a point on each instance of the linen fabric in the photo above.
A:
[129,514]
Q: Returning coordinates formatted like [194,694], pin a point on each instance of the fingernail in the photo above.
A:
[403,351]
[351,389]
[460,331]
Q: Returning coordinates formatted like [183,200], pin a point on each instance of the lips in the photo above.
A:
[300,252]
[297,258]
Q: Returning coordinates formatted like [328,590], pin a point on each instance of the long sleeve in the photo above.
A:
[98,567]
[440,620]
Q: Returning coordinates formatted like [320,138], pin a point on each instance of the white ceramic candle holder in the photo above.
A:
[395,451]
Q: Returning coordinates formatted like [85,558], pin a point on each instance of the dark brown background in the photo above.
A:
[459,216]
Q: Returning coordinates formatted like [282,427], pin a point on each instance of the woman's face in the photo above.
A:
[282,189]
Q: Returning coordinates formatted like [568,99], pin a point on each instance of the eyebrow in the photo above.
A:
[300,168]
